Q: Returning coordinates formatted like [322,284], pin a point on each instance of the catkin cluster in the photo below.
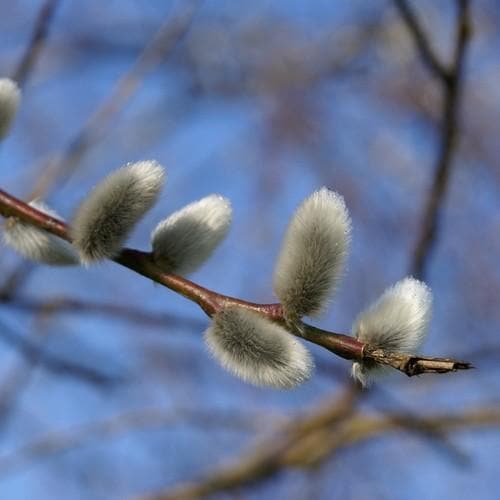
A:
[307,272]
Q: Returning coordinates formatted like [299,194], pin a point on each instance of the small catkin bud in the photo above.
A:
[311,261]
[397,321]
[257,350]
[187,238]
[105,219]
[10,95]
[39,245]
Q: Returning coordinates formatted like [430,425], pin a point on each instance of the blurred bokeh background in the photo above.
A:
[106,388]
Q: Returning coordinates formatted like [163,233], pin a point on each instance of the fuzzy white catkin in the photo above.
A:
[104,220]
[187,238]
[312,258]
[257,350]
[397,321]
[36,244]
[10,95]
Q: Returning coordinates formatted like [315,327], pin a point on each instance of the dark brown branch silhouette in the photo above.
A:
[211,302]
[451,81]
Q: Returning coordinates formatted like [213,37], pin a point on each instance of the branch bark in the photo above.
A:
[211,302]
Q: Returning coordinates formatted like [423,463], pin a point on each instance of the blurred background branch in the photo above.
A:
[450,78]
[37,41]
[264,103]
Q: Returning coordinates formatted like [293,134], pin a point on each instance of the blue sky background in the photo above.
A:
[263,102]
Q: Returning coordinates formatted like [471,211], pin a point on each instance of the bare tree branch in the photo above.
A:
[37,42]
[306,449]
[211,302]
[35,354]
[66,305]
[60,441]
[267,457]
[161,45]
[21,74]
[421,40]
[451,80]
[61,167]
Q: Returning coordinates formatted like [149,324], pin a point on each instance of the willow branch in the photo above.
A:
[267,458]
[59,168]
[212,302]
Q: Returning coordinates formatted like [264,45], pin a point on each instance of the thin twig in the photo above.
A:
[61,167]
[267,457]
[422,42]
[37,41]
[21,74]
[415,365]
[451,80]
[19,376]
[35,354]
[66,305]
[212,302]
[164,41]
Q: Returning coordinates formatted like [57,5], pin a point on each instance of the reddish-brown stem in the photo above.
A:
[345,346]
[13,207]
[211,302]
